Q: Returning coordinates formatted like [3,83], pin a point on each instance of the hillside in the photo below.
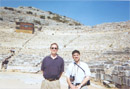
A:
[33,15]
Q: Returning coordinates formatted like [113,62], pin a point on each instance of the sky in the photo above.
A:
[87,12]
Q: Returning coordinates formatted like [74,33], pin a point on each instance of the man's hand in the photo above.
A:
[78,86]
[72,86]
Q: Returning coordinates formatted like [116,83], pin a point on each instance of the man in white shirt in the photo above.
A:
[78,73]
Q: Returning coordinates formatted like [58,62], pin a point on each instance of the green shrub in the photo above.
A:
[19,11]
[29,12]
[110,45]
[5,7]
[37,22]
[1,19]
[12,9]
[42,17]
[57,18]
[29,7]
[48,17]
[64,16]
[65,21]
[70,24]
[9,8]
[77,24]
[50,12]
[20,7]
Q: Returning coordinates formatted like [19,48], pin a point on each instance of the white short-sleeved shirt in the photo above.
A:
[76,71]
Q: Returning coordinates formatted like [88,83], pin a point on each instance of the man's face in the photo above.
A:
[54,49]
[76,57]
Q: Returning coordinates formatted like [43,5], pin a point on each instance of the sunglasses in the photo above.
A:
[53,48]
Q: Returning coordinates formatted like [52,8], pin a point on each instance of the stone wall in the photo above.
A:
[111,73]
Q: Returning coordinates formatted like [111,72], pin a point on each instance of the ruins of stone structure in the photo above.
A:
[100,45]
[105,47]
[113,73]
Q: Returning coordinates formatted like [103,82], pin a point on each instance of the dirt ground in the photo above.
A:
[15,80]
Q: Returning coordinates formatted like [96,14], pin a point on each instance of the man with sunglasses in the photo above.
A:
[78,73]
[52,68]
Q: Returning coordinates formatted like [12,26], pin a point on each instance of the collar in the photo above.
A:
[53,57]
[76,63]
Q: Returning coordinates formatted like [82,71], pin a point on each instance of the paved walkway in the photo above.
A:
[15,80]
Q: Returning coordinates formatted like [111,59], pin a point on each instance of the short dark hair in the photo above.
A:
[54,44]
[76,51]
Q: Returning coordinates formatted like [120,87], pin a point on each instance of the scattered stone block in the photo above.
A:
[108,77]
[117,79]
[115,72]
[127,73]
[108,84]
[128,82]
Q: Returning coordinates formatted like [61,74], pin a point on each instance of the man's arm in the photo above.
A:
[42,66]
[42,71]
[83,82]
[62,69]
[60,75]
[87,70]
[70,84]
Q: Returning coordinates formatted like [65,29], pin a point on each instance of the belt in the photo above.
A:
[50,79]
[78,84]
